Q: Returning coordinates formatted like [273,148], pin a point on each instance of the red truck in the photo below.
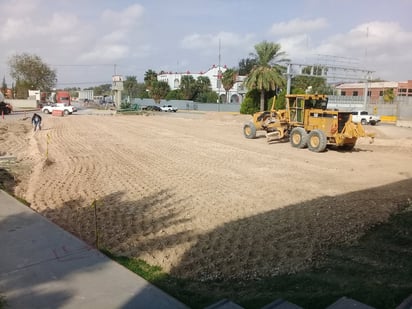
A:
[63,97]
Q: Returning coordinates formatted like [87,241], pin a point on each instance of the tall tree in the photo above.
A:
[102,90]
[150,77]
[228,80]
[31,72]
[203,84]
[130,86]
[142,91]
[188,87]
[267,74]
[246,65]
[159,90]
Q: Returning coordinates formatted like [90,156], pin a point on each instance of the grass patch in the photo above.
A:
[376,271]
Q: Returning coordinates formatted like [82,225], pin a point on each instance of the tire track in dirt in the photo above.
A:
[170,186]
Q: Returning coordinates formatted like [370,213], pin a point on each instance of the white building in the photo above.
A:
[235,94]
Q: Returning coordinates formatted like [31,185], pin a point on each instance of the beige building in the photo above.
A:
[375,90]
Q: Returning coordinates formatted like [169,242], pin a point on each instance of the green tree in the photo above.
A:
[311,84]
[142,92]
[246,65]
[102,90]
[175,95]
[130,86]
[208,96]
[388,95]
[188,87]
[267,74]
[159,90]
[249,106]
[280,101]
[21,89]
[228,80]
[203,84]
[32,73]
[150,77]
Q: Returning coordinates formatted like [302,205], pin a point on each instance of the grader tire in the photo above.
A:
[317,141]
[249,130]
[299,138]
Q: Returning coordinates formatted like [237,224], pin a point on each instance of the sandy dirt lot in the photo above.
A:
[189,193]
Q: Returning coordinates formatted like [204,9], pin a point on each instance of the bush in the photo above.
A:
[249,106]
[206,97]
[125,105]
[174,95]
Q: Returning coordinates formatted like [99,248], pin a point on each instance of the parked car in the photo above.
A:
[169,108]
[5,108]
[67,109]
[154,108]
[365,118]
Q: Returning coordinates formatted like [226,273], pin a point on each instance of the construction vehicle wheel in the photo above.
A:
[298,138]
[317,141]
[249,130]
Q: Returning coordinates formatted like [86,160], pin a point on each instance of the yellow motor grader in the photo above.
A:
[307,122]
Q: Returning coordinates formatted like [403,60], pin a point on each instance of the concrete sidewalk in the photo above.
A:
[43,266]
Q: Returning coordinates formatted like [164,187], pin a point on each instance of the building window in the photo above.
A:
[381,93]
[409,90]
[343,93]
[369,93]
[402,92]
[355,93]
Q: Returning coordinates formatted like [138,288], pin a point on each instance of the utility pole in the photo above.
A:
[219,80]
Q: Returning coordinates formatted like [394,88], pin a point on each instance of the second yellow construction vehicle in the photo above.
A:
[307,122]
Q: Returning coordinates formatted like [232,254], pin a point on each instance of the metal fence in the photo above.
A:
[192,106]
[401,107]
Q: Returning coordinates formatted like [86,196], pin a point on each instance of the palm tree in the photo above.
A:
[267,74]
[150,77]
[228,80]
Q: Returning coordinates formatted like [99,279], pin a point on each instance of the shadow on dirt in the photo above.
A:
[7,181]
[127,224]
[272,244]
[292,238]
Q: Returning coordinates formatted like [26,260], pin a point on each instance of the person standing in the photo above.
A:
[36,121]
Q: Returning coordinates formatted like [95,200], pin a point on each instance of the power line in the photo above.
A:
[83,65]
[84,83]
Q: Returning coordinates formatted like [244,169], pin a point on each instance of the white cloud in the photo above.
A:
[233,47]
[106,53]
[297,26]
[125,18]
[378,46]
[205,41]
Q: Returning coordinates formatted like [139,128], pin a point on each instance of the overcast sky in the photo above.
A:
[88,41]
